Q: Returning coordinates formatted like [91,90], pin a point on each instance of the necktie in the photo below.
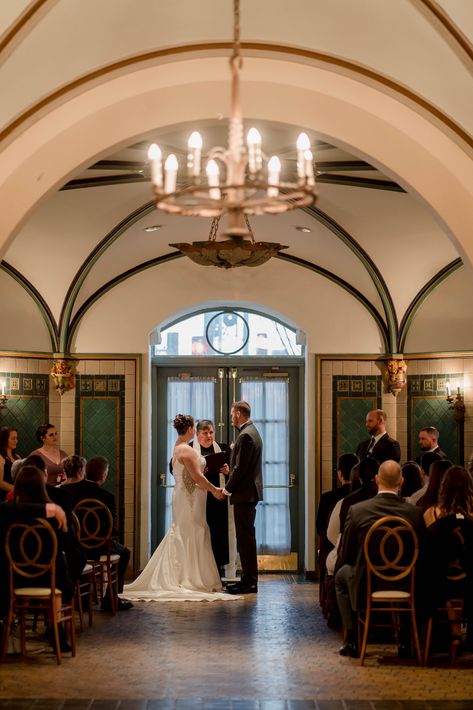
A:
[371,446]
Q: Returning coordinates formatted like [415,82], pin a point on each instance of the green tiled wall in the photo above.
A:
[100,412]
[26,408]
[428,406]
[353,397]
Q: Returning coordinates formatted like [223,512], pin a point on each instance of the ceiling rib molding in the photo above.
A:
[370,266]
[420,298]
[88,264]
[22,26]
[111,284]
[38,299]
[442,18]
[158,261]
[329,61]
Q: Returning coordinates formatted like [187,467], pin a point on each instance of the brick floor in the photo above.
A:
[271,651]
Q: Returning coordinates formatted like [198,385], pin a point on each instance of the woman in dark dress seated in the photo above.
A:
[449,548]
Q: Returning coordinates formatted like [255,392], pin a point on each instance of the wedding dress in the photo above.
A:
[182,567]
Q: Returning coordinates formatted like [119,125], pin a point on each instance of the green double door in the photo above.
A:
[207,392]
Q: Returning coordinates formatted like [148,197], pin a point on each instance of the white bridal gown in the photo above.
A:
[183,566]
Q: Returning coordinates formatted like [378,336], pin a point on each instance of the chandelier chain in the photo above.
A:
[250,231]
[236,33]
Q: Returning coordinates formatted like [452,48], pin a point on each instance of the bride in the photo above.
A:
[183,565]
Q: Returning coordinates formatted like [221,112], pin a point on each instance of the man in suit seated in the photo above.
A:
[96,472]
[359,519]
[380,446]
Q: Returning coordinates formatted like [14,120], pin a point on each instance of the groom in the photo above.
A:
[245,486]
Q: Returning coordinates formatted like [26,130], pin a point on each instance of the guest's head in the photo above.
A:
[240,413]
[38,462]
[8,440]
[456,492]
[15,468]
[412,478]
[426,462]
[437,473]
[389,476]
[376,422]
[96,469]
[47,434]
[205,431]
[367,470]
[345,464]
[428,438]
[74,468]
[30,486]
[355,482]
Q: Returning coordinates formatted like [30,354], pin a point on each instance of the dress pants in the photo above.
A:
[343,581]
[246,541]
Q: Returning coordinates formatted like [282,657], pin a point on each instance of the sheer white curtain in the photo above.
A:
[195,396]
[269,402]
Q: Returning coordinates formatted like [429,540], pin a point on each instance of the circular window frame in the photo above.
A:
[245,340]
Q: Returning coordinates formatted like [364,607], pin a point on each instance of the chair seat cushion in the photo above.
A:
[113,558]
[388,594]
[87,569]
[35,592]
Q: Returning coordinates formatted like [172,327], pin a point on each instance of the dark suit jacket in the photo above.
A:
[246,467]
[359,519]
[88,489]
[386,449]
[327,504]
[437,450]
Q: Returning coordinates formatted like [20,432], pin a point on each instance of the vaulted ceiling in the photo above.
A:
[383,89]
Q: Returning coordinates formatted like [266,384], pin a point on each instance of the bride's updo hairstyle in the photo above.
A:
[182,422]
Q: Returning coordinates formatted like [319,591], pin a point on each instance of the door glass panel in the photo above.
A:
[269,400]
[192,395]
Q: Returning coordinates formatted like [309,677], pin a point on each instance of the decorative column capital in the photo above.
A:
[396,369]
[63,372]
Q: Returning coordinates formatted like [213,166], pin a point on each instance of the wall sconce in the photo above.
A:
[396,373]
[63,375]
[457,405]
[3,396]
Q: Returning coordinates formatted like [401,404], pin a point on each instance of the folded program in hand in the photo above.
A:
[214,462]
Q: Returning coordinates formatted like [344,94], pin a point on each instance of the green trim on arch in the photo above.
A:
[88,264]
[43,307]
[420,298]
[372,269]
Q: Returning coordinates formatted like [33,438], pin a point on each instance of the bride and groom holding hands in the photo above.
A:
[183,566]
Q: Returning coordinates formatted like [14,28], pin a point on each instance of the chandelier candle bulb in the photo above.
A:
[274,168]
[170,173]
[213,179]
[3,387]
[255,158]
[447,387]
[194,146]
[309,167]
[154,155]
[302,144]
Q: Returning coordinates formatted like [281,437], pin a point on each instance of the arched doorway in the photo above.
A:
[203,362]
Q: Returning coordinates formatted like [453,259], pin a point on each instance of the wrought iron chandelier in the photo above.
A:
[240,181]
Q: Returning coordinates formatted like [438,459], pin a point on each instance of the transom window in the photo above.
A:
[228,333]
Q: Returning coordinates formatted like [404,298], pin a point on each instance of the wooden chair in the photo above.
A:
[31,549]
[96,531]
[86,587]
[391,550]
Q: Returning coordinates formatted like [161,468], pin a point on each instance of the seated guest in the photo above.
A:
[96,472]
[74,469]
[426,462]
[55,494]
[360,517]
[327,502]
[30,488]
[449,548]
[428,502]
[15,469]
[8,456]
[411,479]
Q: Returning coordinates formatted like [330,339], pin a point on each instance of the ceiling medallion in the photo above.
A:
[240,181]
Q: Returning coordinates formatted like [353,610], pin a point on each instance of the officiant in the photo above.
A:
[217,510]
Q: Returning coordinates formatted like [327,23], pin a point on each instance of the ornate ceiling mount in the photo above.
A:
[238,249]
